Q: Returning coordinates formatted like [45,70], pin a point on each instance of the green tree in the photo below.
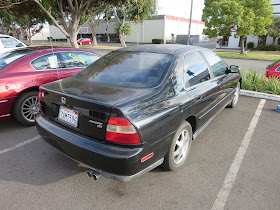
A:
[70,15]
[243,17]
[93,22]
[273,30]
[28,17]
[136,11]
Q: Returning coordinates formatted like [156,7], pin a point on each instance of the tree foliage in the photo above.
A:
[70,15]
[247,17]
[134,10]
[29,17]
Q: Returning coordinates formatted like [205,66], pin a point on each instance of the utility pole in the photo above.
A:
[190,23]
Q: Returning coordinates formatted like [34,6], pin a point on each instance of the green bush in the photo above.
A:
[49,38]
[250,45]
[157,41]
[270,47]
[251,80]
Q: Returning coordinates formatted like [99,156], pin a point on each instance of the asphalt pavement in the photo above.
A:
[34,175]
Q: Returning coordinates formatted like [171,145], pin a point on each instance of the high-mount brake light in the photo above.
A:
[121,131]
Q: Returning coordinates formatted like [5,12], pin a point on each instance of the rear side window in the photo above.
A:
[48,62]
[9,42]
[78,59]
[218,66]
[128,69]
[195,69]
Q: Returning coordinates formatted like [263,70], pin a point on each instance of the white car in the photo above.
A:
[9,43]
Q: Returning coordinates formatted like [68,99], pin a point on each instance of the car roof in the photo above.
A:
[43,48]
[161,48]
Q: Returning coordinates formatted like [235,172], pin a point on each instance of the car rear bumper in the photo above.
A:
[114,162]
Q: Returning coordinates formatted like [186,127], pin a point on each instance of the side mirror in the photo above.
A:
[234,69]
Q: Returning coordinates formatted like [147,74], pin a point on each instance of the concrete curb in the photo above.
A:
[253,59]
[259,95]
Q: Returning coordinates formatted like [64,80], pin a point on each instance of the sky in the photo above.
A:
[181,8]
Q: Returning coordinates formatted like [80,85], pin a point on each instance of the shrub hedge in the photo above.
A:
[157,41]
[270,47]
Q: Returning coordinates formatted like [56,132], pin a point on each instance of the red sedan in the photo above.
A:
[84,41]
[22,71]
[273,70]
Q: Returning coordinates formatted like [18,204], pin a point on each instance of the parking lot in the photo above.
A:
[34,175]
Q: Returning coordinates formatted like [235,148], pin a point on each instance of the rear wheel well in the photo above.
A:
[23,92]
[192,121]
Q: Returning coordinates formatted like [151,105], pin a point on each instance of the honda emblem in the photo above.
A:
[63,100]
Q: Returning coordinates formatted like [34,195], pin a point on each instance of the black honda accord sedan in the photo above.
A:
[137,108]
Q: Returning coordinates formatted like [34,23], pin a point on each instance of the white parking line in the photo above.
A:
[19,145]
[222,197]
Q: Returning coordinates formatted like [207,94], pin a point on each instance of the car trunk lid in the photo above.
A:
[90,103]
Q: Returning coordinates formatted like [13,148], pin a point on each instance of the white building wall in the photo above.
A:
[181,27]
[55,33]
[145,32]
[42,35]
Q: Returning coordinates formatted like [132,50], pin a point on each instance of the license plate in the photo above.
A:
[68,116]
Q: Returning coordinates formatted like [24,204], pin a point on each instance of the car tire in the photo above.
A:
[179,148]
[233,103]
[89,43]
[26,107]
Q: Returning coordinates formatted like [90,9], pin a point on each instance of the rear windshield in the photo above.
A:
[128,69]
[273,64]
[11,56]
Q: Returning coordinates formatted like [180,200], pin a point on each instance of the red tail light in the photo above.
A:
[121,131]
[41,96]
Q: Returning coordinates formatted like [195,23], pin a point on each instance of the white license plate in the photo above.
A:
[68,116]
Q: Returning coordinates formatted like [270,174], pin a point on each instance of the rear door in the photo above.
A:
[200,86]
[77,61]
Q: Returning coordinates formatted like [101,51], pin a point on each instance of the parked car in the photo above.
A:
[22,71]
[273,70]
[9,43]
[84,41]
[137,108]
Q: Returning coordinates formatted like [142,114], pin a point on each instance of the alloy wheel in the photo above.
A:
[181,147]
[30,108]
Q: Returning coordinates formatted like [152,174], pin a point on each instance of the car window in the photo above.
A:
[277,69]
[48,62]
[128,69]
[273,64]
[78,59]
[7,58]
[218,66]
[9,42]
[195,69]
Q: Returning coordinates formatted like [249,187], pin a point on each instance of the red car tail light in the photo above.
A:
[41,97]
[121,131]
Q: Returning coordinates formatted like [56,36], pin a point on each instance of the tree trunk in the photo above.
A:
[94,40]
[29,36]
[274,40]
[121,35]
[242,45]
[73,40]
